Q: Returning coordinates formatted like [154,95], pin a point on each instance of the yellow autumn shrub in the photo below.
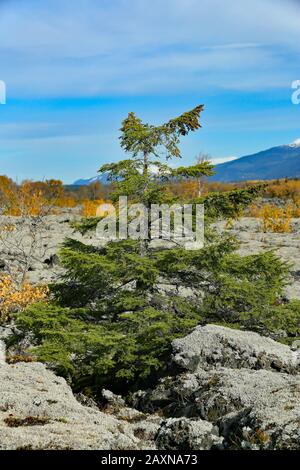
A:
[276,219]
[14,298]
[66,202]
[89,208]
[284,189]
[34,198]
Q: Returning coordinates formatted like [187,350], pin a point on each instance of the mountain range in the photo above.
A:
[274,163]
[85,182]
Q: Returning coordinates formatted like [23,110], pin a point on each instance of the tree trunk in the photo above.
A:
[145,243]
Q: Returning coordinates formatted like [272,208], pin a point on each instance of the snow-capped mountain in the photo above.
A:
[296,143]
[277,162]
[85,182]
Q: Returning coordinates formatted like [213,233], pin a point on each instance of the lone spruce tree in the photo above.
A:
[143,177]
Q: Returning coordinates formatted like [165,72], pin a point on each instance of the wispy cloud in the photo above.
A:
[92,48]
[218,160]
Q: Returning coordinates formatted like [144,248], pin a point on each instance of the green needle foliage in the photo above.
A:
[110,325]
[141,177]
[230,204]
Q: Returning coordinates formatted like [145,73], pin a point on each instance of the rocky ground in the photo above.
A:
[32,245]
[39,411]
[40,246]
[233,390]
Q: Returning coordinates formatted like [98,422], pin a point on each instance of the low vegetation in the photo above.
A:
[273,218]
[14,422]
[40,198]
[101,332]
[14,298]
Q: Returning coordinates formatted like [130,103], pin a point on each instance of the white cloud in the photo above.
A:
[218,160]
[91,47]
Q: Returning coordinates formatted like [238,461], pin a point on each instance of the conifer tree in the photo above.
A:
[141,177]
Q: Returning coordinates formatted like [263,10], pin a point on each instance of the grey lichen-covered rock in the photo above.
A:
[5,331]
[260,408]
[33,243]
[86,401]
[213,346]
[234,380]
[144,427]
[188,434]
[38,411]
[146,430]
[112,399]
[252,408]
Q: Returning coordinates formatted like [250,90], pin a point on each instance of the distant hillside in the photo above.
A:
[276,162]
[85,182]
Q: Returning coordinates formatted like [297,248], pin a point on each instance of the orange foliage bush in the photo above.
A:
[185,189]
[38,198]
[14,298]
[66,202]
[8,194]
[89,208]
[33,198]
[284,189]
[189,189]
[273,218]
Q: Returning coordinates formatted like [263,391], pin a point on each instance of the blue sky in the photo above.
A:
[75,68]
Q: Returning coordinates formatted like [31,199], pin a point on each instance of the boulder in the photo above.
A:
[213,346]
[187,434]
[245,385]
[39,411]
[252,408]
